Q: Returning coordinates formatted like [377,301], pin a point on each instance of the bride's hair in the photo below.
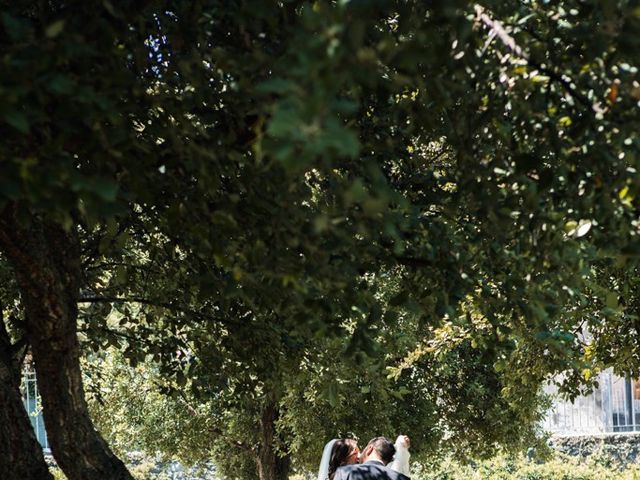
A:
[340,453]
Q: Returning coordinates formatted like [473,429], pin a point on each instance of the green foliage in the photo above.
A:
[57,474]
[315,205]
[507,468]
[445,393]
[129,410]
[145,471]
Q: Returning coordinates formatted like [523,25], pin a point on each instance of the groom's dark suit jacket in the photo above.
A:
[371,470]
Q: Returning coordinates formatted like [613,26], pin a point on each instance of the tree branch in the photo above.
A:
[141,300]
[133,339]
[146,301]
[212,429]
[498,29]
[414,262]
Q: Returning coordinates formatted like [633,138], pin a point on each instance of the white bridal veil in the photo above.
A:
[323,471]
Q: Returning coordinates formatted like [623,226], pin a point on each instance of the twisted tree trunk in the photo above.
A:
[271,464]
[46,259]
[20,453]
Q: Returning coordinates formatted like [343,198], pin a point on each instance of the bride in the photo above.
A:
[344,451]
[337,453]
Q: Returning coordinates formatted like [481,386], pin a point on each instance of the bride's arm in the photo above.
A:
[401,459]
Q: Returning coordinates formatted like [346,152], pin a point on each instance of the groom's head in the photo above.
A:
[379,448]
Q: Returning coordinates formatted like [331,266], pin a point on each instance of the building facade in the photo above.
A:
[613,407]
[31,400]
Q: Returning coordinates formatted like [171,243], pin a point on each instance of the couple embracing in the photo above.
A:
[380,460]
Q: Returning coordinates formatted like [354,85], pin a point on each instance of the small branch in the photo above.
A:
[99,266]
[439,155]
[229,320]
[146,301]
[212,429]
[91,252]
[414,262]
[131,338]
[141,300]
[498,29]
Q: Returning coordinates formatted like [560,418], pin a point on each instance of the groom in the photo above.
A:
[374,459]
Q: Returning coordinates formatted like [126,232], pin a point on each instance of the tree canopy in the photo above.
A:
[252,189]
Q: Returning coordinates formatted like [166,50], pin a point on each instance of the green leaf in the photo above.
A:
[18,120]
[626,196]
[106,189]
[611,300]
[332,394]
[283,122]
[61,85]
[18,29]
[276,85]
[54,29]
[565,122]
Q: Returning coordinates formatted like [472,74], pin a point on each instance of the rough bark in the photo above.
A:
[20,453]
[271,465]
[46,259]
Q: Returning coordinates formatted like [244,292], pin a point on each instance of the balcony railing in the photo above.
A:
[31,399]
[613,407]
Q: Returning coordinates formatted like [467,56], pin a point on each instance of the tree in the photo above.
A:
[23,456]
[481,154]
[58,180]
[255,379]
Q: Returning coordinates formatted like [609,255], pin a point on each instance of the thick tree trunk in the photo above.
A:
[20,453]
[271,465]
[46,260]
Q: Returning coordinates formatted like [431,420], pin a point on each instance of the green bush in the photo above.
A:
[57,474]
[141,471]
[145,471]
[560,467]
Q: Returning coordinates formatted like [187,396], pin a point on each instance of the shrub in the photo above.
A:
[559,467]
[57,474]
